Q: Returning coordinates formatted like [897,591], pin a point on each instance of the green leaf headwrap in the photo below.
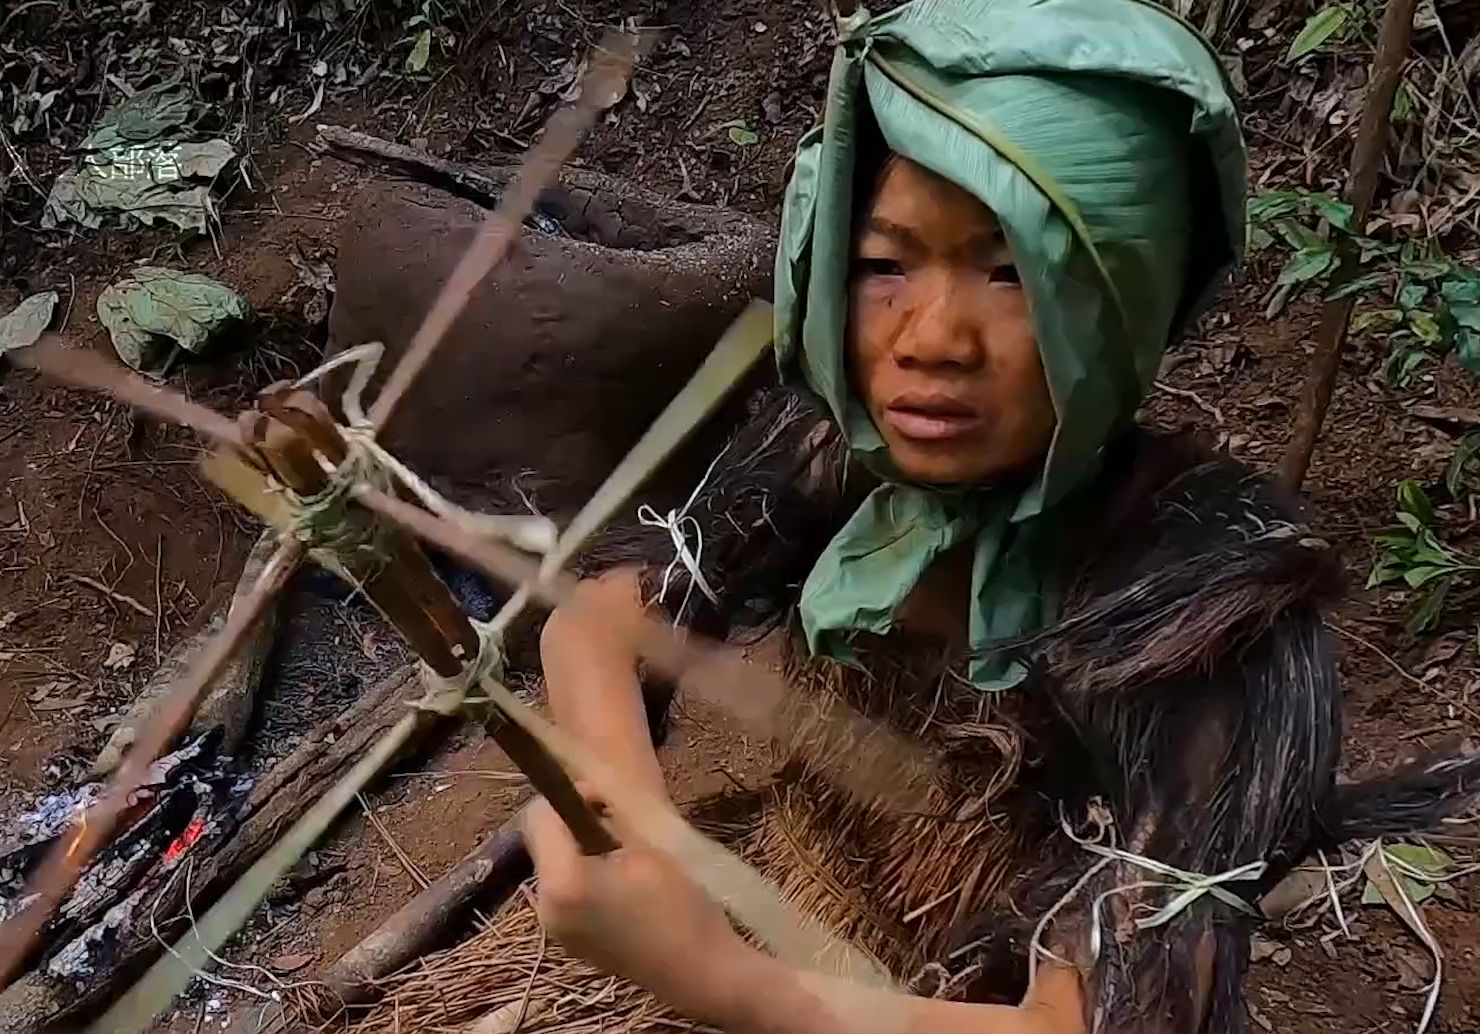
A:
[1101,134]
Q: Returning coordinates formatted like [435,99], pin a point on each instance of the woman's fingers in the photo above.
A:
[555,853]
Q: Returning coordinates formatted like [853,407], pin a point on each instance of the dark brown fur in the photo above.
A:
[1189,692]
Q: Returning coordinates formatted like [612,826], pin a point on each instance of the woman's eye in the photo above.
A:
[1006,274]
[878,267]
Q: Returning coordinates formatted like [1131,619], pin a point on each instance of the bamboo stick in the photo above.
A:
[62,866]
[1382,84]
[413,599]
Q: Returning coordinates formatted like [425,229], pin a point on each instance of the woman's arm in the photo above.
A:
[633,913]
[591,675]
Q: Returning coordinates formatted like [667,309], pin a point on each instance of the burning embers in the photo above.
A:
[133,889]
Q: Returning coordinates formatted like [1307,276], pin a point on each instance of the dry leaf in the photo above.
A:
[120,657]
[1294,890]
[1415,970]
[60,704]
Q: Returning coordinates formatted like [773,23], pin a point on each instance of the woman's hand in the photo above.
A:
[633,913]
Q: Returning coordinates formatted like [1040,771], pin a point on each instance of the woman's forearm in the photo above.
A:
[749,992]
[591,679]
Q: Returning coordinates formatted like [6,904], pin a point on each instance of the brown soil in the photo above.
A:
[87,490]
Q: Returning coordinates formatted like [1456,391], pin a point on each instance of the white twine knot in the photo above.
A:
[1189,887]
[679,523]
[447,695]
[533,534]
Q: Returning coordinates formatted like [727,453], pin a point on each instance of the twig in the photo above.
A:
[71,300]
[609,70]
[1372,135]
[1191,396]
[1404,672]
[412,869]
[534,971]
[16,161]
[14,700]
[65,862]
[158,599]
[112,594]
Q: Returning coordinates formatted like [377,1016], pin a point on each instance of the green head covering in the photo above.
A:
[1102,136]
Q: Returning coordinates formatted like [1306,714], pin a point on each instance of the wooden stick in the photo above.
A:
[461,180]
[500,861]
[1382,84]
[411,596]
[59,871]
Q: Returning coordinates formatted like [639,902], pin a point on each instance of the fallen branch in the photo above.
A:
[37,1001]
[494,865]
[457,179]
[1372,137]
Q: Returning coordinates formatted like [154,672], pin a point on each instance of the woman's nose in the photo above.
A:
[944,328]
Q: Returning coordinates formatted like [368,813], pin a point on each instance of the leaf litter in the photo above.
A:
[140,164]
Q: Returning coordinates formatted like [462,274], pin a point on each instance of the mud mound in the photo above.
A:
[568,351]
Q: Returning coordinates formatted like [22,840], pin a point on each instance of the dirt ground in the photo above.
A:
[108,534]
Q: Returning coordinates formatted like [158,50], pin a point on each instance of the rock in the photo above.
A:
[290,963]
[316,898]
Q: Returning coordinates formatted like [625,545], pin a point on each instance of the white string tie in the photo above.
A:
[1190,886]
[679,524]
[533,534]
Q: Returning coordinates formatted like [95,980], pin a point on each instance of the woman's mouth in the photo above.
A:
[931,417]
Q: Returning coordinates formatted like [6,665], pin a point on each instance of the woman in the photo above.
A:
[1011,209]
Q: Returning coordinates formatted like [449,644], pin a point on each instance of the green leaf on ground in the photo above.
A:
[154,306]
[421,51]
[1454,475]
[1319,28]
[145,117]
[23,326]
[1307,264]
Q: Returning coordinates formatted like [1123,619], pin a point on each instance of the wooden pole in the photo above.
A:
[1367,154]
[498,862]
[414,599]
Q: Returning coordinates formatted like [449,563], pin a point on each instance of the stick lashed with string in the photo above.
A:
[309,477]
[59,871]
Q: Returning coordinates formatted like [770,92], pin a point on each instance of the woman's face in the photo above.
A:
[941,348]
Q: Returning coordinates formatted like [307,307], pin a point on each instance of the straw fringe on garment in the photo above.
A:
[895,884]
